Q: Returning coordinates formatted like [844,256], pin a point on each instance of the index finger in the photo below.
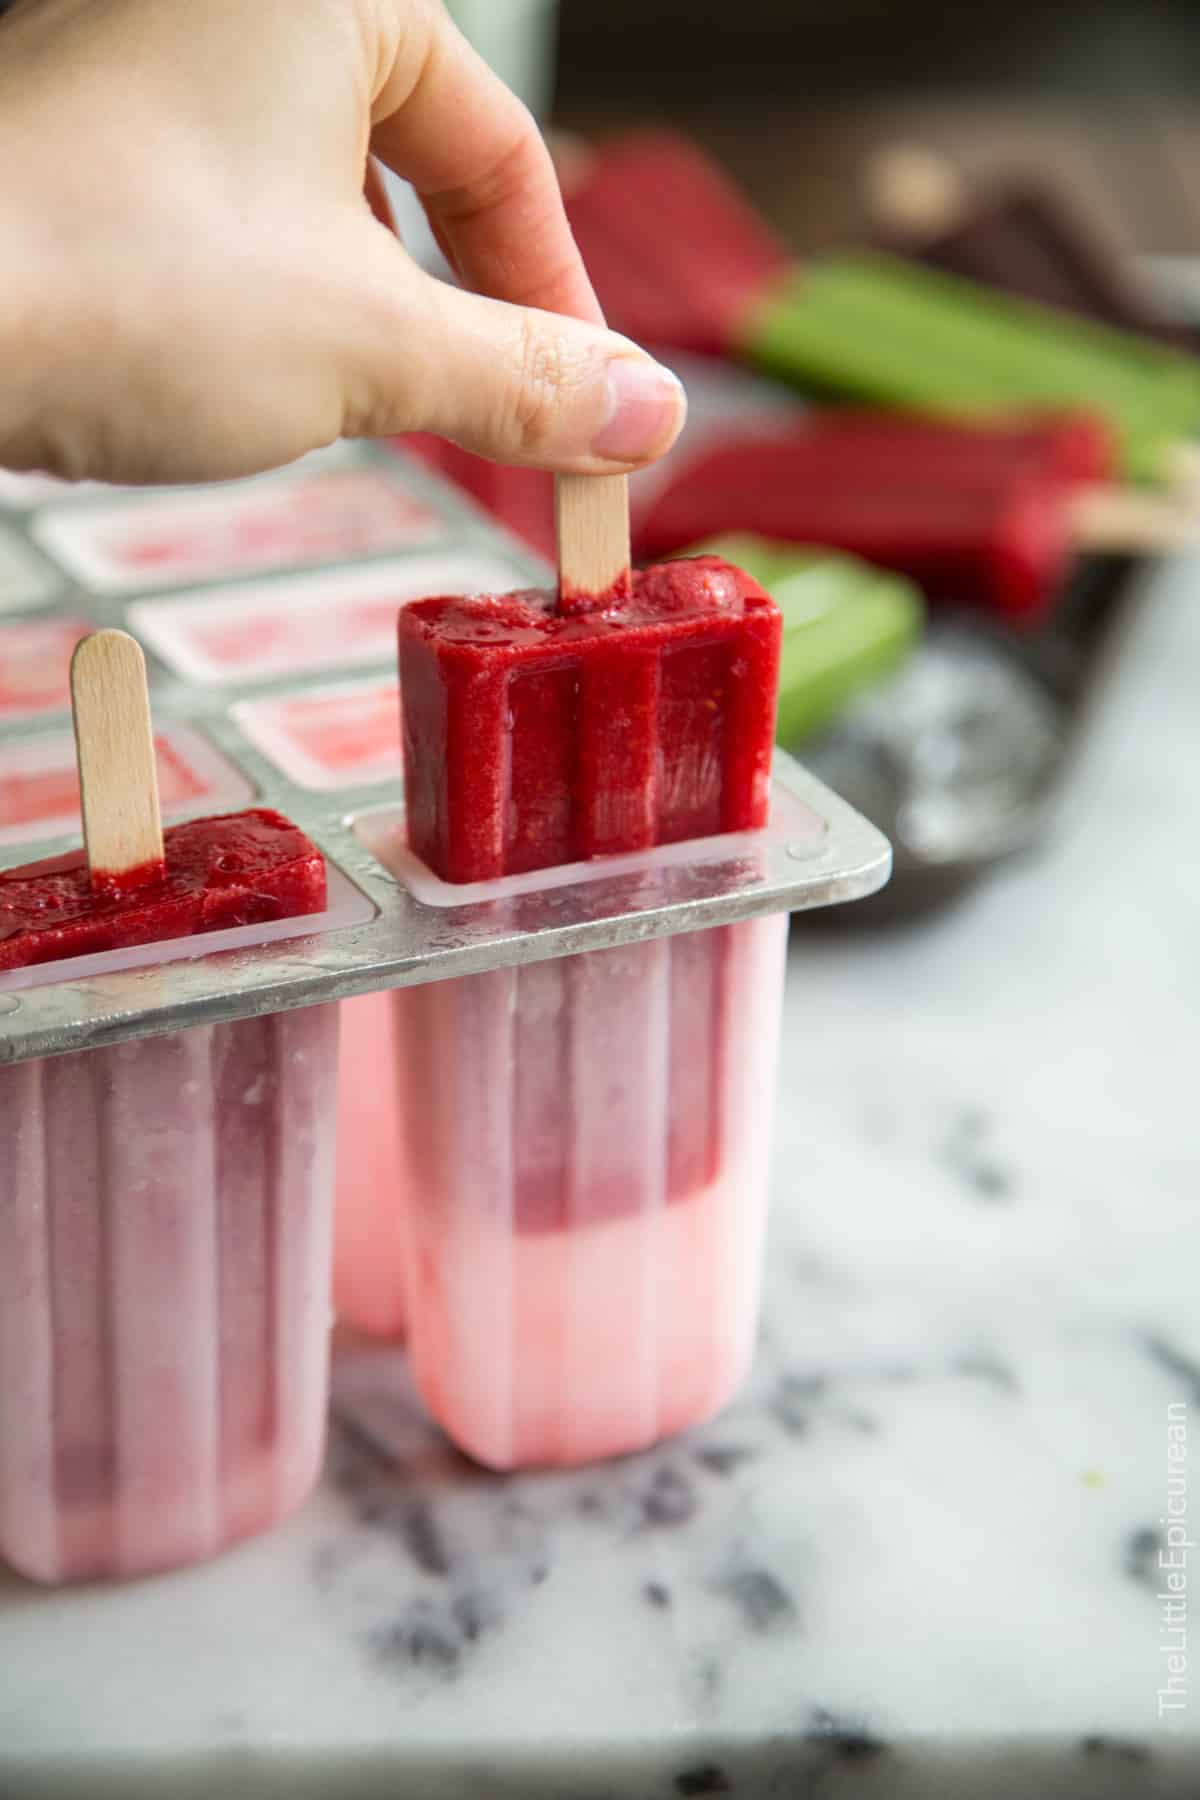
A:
[485,178]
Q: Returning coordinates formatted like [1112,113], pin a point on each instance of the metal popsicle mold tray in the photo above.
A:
[267,612]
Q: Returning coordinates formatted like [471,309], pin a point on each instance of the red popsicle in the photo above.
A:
[675,253]
[534,736]
[240,870]
[587,1137]
[976,515]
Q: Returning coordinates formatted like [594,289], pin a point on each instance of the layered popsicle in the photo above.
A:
[165,1223]
[587,1138]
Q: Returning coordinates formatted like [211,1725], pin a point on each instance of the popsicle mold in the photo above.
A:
[165,1225]
[587,1144]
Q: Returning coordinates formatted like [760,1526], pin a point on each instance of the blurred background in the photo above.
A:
[791,94]
[1104,88]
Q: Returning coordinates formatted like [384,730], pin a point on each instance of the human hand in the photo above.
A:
[195,288]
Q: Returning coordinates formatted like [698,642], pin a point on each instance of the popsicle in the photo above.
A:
[980,516]
[535,735]
[165,1203]
[674,250]
[1018,231]
[586,1139]
[862,326]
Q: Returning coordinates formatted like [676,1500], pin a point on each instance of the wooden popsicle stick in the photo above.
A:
[592,523]
[118,774]
[1182,471]
[914,190]
[1133,520]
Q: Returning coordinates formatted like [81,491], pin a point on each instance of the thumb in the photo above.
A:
[508,382]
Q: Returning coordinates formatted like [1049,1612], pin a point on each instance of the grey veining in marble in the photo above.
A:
[919,1557]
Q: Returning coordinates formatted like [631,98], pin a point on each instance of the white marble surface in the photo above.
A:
[917,1558]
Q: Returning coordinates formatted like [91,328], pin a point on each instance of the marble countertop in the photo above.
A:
[918,1557]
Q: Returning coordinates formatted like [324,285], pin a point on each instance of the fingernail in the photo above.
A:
[647,407]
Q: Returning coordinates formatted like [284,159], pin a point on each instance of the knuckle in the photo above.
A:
[540,376]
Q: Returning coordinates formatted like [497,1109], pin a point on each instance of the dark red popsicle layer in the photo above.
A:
[533,738]
[242,869]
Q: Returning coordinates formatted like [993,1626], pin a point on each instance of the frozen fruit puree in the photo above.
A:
[240,870]
[165,1226]
[534,737]
[585,1140]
